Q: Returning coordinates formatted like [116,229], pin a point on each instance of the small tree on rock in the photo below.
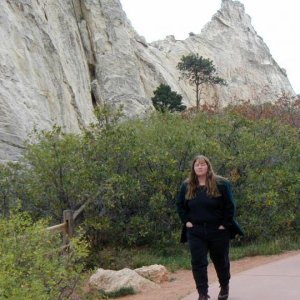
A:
[198,70]
[167,100]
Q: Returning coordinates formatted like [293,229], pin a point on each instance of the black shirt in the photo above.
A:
[204,209]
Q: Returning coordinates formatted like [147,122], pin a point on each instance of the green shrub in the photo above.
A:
[32,264]
[131,170]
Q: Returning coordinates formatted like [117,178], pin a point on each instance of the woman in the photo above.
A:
[206,208]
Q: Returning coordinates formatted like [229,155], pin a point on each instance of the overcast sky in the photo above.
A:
[277,22]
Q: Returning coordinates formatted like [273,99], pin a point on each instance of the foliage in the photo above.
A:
[198,70]
[131,170]
[6,188]
[107,116]
[166,100]
[57,174]
[32,264]
[286,109]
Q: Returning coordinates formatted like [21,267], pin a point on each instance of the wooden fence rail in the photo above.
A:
[67,227]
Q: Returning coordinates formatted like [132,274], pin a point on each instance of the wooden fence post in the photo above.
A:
[69,229]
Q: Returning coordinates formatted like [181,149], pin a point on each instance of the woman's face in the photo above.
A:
[200,167]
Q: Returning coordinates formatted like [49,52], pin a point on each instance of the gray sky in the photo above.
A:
[277,22]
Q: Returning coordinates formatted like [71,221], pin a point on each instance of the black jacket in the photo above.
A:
[228,207]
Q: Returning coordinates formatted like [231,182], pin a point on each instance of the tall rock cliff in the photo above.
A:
[60,58]
[44,74]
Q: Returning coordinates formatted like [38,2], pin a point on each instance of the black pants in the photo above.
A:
[203,239]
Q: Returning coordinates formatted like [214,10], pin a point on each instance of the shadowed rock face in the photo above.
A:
[59,58]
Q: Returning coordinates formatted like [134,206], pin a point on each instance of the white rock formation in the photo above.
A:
[111,281]
[155,273]
[44,76]
[239,54]
[59,58]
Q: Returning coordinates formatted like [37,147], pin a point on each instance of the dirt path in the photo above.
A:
[182,283]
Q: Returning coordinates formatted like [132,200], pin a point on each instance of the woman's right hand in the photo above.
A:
[189,225]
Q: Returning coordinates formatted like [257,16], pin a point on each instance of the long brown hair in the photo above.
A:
[210,182]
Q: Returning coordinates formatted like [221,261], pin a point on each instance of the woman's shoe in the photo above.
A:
[224,292]
[203,296]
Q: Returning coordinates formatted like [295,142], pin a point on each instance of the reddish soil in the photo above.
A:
[181,283]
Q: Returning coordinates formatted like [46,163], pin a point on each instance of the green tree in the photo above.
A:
[59,176]
[198,70]
[166,100]
[131,171]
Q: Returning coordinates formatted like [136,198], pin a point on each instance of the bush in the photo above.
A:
[133,169]
[32,264]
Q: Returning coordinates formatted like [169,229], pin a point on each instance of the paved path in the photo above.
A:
[279,280]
